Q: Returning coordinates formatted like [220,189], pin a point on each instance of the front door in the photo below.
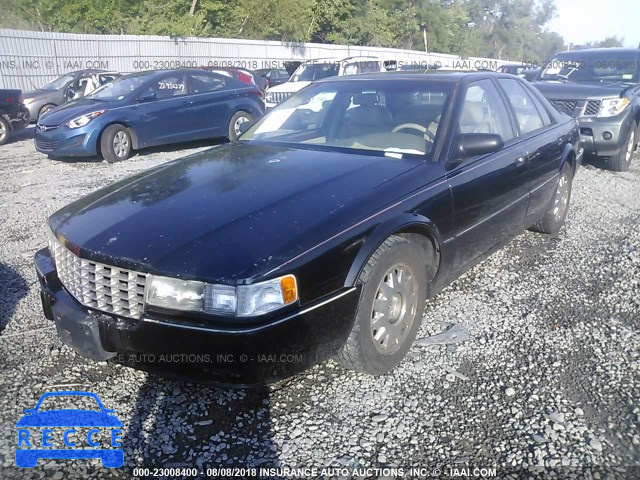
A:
[490,192]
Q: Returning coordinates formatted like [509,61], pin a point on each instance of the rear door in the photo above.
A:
[210,99]
[490,192]
[541,144]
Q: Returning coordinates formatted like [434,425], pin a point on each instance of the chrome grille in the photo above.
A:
[279,97]
[565,106]
[95,285]
[592,108]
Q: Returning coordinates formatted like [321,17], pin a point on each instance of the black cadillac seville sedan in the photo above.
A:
[320,233]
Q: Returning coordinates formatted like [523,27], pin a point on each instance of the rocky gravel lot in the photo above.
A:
[540,372]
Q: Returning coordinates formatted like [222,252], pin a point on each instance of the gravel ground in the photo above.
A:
[543,372]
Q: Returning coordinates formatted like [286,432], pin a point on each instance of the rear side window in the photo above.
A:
[529,119]
[201,83]
[484,111]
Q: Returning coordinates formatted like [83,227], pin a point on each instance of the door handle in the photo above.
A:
[560,140]
[187,102]
[520,161]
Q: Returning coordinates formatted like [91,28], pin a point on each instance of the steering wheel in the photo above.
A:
[415,126]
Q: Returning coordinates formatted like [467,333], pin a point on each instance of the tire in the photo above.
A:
[555,216]
[237,119]
[361,351]
[44,109]
[5,131]
[622,161]
[115,143]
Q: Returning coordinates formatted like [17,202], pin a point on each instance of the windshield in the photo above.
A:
[393,118]
[309,72]
[119,88]
[58,83]
[593,67]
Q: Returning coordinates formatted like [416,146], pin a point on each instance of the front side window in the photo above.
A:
[483,111]
[168,87]
[399,118]
[527,114]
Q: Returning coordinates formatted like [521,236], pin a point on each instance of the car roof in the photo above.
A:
[77,73]
[611,51]
[452,77]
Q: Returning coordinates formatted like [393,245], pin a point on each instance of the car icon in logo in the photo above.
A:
[96,423]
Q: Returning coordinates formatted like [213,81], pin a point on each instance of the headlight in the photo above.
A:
[27,101]
[244,301]
[266,296]
[84,119]
[611,107]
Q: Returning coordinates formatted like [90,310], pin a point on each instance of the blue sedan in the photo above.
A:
[148,109]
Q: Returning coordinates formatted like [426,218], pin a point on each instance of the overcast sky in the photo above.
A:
[581,21]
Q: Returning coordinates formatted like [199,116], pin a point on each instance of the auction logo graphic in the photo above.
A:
[95,426]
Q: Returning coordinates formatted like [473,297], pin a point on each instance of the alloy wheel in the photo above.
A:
[121,144]
[394,308]
[3,132]
[239,121]
[562,197]
[630,149]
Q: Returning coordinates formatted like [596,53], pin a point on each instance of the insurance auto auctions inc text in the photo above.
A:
[359,472]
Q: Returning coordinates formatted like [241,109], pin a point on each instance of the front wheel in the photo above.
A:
[115,143]
[555,216]
[236,121]
[622,161]
[5,129]
[394,285]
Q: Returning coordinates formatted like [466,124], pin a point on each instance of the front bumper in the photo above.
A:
[245,355]
[604,139]
[63,141]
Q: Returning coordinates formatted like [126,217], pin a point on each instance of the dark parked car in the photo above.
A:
[149,108]
[601,87]
[273,76]
[321,231]
[66,88]
[13,114]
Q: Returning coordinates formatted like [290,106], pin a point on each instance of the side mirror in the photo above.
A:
[470,145]
[146,97]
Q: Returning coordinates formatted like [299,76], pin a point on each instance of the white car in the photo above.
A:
[319,68]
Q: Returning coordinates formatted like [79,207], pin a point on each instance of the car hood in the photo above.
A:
[232,212]
[72,110]
[69,418]
[577,91]
[288,87]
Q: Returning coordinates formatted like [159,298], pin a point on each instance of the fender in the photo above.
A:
[566,152]
[404,223]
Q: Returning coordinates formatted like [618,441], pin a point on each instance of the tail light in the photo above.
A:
[21,99]
[257,91]
[245,78]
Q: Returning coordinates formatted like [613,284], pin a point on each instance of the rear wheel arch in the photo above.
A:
[569,156]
